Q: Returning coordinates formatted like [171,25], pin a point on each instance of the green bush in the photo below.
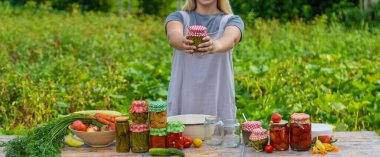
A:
[86,5]
[55,63]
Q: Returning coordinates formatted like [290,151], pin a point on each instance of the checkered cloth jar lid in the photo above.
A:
[139,127]
[250,125]
[139,106]
[258,134]
[301,118]
[197,31]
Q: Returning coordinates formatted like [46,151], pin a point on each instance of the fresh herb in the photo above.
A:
[45,140]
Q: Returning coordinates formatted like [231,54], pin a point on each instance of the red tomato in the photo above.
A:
[76,124]
[276,118]
[268,148]
[82,127]
[187,141]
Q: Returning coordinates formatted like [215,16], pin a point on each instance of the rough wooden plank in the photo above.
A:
[350,143]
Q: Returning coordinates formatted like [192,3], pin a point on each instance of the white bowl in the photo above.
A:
[194,124]
[318,129]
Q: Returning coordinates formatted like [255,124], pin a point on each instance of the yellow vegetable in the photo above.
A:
[323,148]
[197,142]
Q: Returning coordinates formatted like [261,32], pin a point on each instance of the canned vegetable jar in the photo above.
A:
[122,134]
[157,114]
[196,34]
[247,130]
[174,137]
[139,138]
[259,139]
[279,135]
[139,112]
[157,137]
[300,132]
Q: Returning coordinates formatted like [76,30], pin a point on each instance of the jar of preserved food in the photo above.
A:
[122,134]
[139,112]
[247,130]
[139,138]
[157,137]
[259,139]
[196,34]
[157,114]
[279,135]
[300,132]
[174,137]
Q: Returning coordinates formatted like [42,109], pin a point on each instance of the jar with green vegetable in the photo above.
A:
[157,137]
[139,111]
[157,114]
[122,134]
[259,139]
[247,130]
[139,138]
[174,137]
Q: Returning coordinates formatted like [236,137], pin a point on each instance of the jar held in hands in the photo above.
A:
[196,34]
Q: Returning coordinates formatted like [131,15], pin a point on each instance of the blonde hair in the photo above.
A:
[223,5]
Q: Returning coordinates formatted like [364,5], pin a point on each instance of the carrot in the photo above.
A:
[106,117]
[102,120]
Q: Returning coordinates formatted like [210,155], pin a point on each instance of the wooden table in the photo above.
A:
[358,144]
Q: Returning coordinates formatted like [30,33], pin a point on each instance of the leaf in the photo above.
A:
[117,96]
[338,106]
[62,105]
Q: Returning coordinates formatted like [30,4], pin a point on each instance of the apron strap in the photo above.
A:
[186,21]
[222,25]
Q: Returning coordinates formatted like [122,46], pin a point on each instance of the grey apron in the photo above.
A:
[202,84]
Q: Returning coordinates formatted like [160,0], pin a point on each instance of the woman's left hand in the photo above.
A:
[207,46]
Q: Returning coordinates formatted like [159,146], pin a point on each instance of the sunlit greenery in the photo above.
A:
[56,62]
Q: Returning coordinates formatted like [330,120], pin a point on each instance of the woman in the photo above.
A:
[203,84]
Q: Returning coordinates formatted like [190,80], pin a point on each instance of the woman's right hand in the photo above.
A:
[188,45]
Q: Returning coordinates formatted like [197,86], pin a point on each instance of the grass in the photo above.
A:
[58,62]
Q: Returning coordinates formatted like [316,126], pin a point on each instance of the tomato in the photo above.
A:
[82,127]
[324,139]
[187,141]
[76,124]
[268,148]
[276,118]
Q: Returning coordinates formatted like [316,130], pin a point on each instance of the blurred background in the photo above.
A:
[321,57]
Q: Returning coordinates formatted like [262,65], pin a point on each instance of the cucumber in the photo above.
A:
[98,124]
[166,152]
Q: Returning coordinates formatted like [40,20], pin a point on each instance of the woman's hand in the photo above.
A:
[187,45]
[207,46]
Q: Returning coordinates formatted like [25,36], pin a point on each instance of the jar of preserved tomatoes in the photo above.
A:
[259,139]
[139,112]
[300,132]
[157,114]
[122,134]
[174,137]
[247,130]
[157,137]
[139,138]
[279,135]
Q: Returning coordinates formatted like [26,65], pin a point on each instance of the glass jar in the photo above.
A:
[122,134]
[157,137]
[139,112]
[139,138]
[196,34]
[213,130]
[157,114]
[231,133]
[300,132]
[247,130]
[279,135]
[259,139]
[174,137]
